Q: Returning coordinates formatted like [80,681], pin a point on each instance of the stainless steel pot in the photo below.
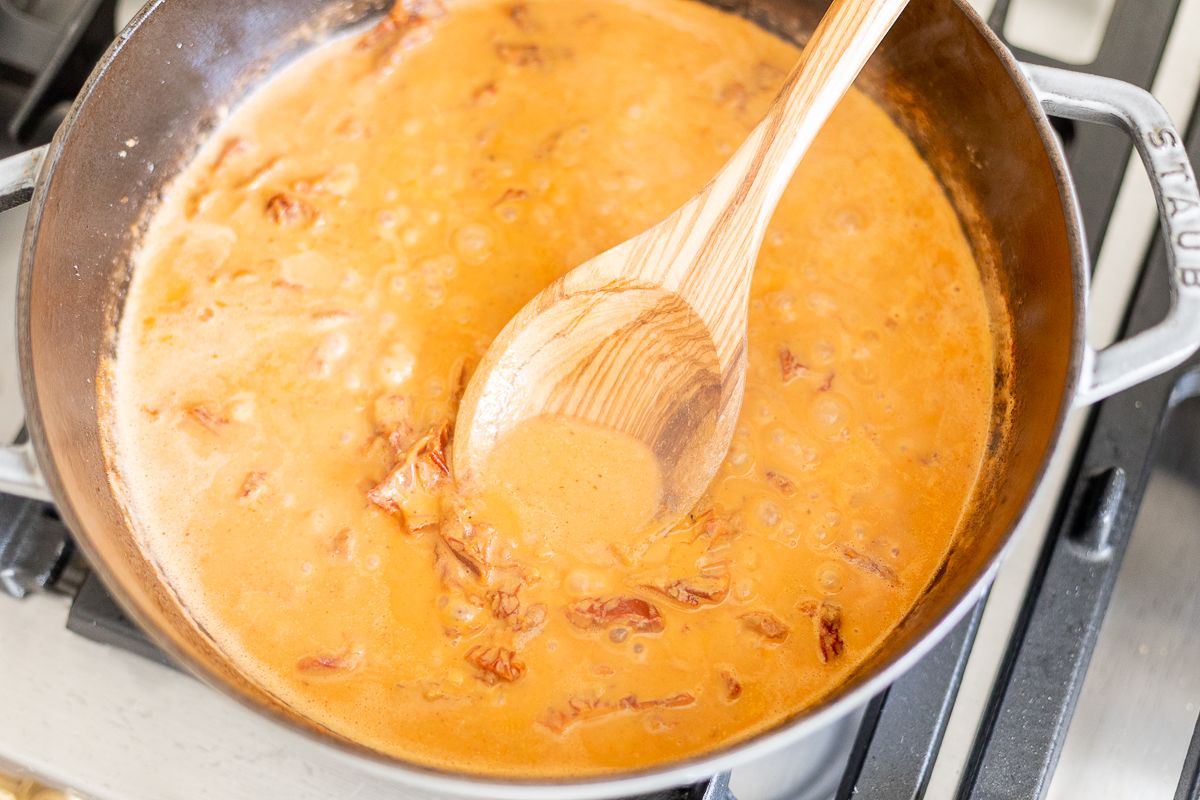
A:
[977,116]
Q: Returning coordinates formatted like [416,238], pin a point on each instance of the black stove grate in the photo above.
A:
[1017,747]
[46,53]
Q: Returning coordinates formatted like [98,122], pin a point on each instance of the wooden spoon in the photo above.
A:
[648,340]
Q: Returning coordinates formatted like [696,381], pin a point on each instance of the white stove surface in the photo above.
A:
[114,726]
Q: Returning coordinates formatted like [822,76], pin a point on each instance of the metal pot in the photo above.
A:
[977,116]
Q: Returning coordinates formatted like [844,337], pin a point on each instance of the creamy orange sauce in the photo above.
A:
[317,284]
[559,477]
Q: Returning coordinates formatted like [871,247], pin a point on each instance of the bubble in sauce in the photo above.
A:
[334,347]
[743,589]
[241,407]
[749,559]
[340,180]
[829,412]
[769,513]
[397,366]
[823,351]
[473,243]
[438,268]
[848,220]
[831,578]
[583,582]
[782,305]
[818,538]
[822,304]
[308,269]
[398,284]
[739,459]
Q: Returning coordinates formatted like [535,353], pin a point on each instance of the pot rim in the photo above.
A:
[666,776]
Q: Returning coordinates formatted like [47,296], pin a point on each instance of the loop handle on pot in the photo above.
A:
[1091,98]
[716,788]
[19,473]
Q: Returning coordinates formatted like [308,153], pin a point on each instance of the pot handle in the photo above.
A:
[19,472]
[1092,98]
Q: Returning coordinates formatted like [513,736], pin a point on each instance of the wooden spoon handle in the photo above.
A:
[743,195]
[837,52]
[706,250]
[729,217]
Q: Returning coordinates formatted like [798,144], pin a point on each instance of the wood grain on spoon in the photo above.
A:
[647,341]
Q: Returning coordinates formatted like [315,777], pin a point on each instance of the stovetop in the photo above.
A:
[1007,706]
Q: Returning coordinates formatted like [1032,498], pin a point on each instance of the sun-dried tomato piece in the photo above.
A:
[286,209]
[733,687]
[408,24]
[827,617]
[468,554]
[581,709]
[511,194]
[329,663]
[330,319]
[674,701]
[253,486]
[628,612]
[767,76]
[519,55]
[578,710]
[715,528]
[504,604]
[472,542]
[485,94]
[781,482]
[790,366]
[207,419]
[342,545]
[454,572]
[520,16]
[695,591]
[734,95]
[867,564]
[234,146]
[410,490]
[496,664]
[766,624]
